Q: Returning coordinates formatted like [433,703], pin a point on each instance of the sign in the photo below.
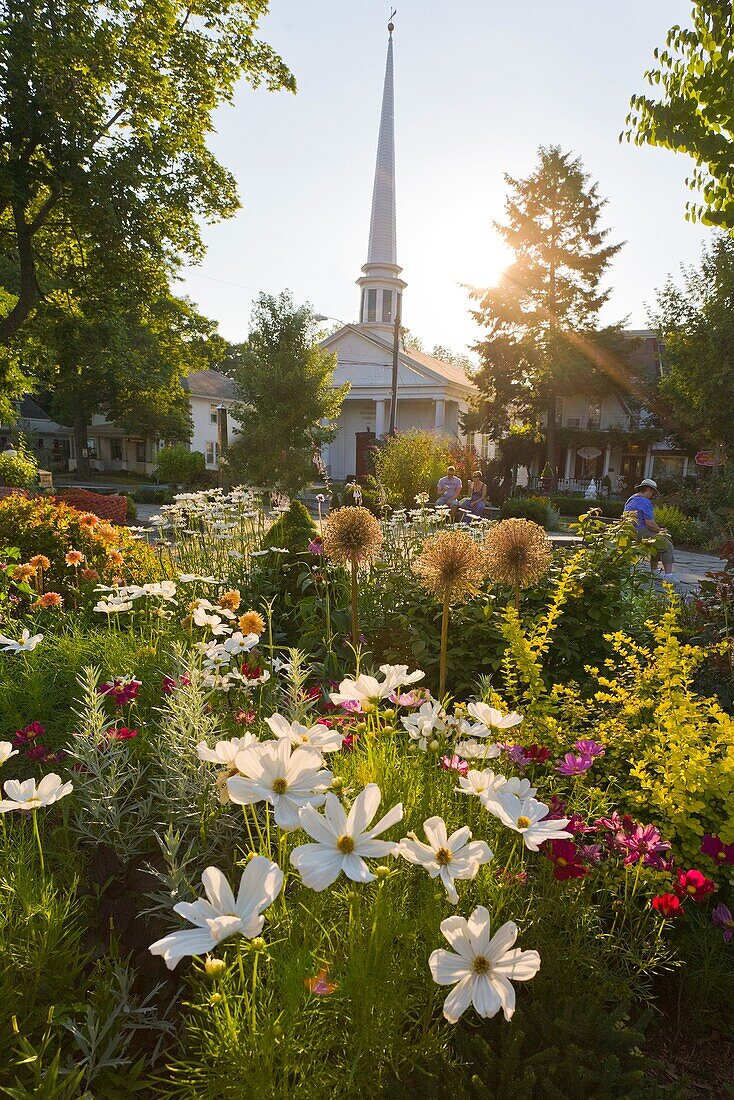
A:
[706,458]
[587,453]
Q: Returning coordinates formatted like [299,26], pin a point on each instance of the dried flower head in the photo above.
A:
[230,600]
[451,564]
[352,534]
[251,622]
[518,553]
[39,561]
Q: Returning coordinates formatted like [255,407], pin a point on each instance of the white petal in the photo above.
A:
[458,999]
[218,890]
[363,809]
[447,968]
[356,869]
[178,945]
[435,830]
[317,866]
[519,965]
[456,931]
[485,997]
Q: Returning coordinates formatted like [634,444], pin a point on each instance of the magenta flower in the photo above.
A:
[722,916]
[169,683]
[454,764]
[574,764]
[122,689]
[714,847]
[316,546]
[578,826]
[644,843]
[28,735]
[592,854]
[122,733]
[589,748]
[408,698]
[556,808]
[40,755]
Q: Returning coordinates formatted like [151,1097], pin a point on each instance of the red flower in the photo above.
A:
[565,858]
[537,754]
[694,885]
[668,905]
[122,733]
[28,734]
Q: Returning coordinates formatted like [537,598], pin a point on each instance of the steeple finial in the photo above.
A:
[390,24]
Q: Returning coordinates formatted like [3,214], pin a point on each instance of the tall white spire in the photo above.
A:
[380,282]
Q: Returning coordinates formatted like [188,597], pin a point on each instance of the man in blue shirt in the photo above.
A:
[641,507]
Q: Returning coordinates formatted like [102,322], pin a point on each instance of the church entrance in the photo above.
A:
[365,453]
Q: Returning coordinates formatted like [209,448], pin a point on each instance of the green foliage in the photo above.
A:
[21,471]
[292,530]
[694,110]
[410,463]
[538,509]
[683,530]
[285,381]
[180,466]
[576,506]
[549,294]
[695,393]
[136,181]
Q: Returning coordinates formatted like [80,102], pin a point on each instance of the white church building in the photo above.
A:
[431,394]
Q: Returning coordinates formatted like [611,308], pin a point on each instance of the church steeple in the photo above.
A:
[381,283]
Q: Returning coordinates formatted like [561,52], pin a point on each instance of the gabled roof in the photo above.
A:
[29,410]
[420,360]
[209,383]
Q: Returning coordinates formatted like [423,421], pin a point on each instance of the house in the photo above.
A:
[431,394]
[50,442]
[609,435]
[208,392]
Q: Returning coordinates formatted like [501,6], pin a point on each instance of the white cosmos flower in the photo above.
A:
[224,752]
[343,840]
[112,606]
[165,589]
[477,750]
[481,969]
[422,724]
[24,644]
[528,817]
[368,689]
[189,578]
[489,718]
[445,857]
[287,778]
[240,643]
[26,795]
[6,751]
[487,785]
[215,623]
[221,916]
[318,736]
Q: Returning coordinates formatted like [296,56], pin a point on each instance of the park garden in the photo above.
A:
[347,806]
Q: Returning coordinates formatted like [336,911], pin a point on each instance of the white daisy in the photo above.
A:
[24,644]
[425,722]
[6,751]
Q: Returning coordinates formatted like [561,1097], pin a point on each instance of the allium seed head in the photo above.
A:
[352,534]
[451,564]
[518,552]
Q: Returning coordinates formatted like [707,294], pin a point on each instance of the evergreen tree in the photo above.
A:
[285,381]
[541,318]
[695,393]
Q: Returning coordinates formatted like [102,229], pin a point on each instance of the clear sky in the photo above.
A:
[479,84]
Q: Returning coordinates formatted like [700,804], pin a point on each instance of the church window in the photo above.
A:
[387,307]
[371,305]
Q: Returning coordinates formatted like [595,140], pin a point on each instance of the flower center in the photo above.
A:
[562,862]
[523,822]
[691,889]
[443,857]
[345,844]
[481,965]
[280,785]
[721,855]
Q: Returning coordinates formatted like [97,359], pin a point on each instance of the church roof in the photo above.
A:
[382,244]
[449,371]
[409,356]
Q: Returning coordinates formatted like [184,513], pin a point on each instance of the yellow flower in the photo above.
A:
[251,622]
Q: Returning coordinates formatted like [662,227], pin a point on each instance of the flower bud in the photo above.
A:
[433,745]
[214,967]
[337,784]
[258,944]
[382,872]
[215,998]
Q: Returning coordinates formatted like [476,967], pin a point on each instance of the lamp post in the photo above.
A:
[223,434]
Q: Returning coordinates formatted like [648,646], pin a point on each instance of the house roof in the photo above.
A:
[29,410]
[209,383]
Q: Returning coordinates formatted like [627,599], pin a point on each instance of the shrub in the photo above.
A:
[537,509]
[42,526]
[576,506]
[293,529]
[683,530]
[21,470]
[150,494]
[411,463]
[180,466]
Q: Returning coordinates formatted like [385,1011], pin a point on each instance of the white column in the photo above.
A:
[569,463]
[607,460]
[685,466]
[648,462]
[439,415]
[380,427]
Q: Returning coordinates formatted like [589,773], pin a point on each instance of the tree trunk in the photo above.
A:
[717,460]
[28,294]
[83,468]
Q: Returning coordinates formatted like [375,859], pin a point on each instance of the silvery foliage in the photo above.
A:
[114,806]
[116,1014]
[295,671]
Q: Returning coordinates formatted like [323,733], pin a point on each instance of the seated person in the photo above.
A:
[476,502]
[640,504]
[449,489]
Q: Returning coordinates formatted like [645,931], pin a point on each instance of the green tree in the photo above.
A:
[694,113]
[285,380]
[695,320]
[106,110]
[541,317]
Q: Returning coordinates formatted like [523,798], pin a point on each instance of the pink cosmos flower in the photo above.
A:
[722,916]
[122,690]
[714,847]
[565,858]
[589,748]
[574,764]
[693,885]
[28,735]
[556,807]
[643,843]
[349,741]
[454,764]
[412,698]
[592,854]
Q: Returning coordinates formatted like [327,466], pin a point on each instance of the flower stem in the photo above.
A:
[355,609]
[38,842]
[444,643]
